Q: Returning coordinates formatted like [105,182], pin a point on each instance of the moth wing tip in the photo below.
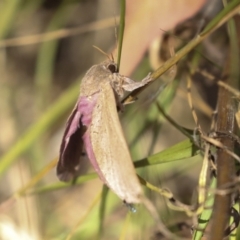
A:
[65,176]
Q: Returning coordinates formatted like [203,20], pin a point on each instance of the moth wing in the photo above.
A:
[110,148]
[71,147]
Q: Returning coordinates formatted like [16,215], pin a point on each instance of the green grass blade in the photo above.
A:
[182,150]
[121,31]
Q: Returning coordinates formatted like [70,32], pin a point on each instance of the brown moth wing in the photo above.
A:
[72,142]
[110,148]
[71,147]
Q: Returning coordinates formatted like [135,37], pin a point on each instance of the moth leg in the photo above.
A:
[120,106]
[116,83]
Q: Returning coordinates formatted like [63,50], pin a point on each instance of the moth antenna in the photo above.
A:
[112,58]
[101,51]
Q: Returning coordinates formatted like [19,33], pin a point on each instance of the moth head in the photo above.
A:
[112,67]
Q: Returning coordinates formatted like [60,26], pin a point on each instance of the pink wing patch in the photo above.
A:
[75,136]
[87,106]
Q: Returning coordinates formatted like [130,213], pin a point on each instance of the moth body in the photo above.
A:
[94,125]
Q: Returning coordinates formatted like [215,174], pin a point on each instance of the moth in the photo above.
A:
[94,125]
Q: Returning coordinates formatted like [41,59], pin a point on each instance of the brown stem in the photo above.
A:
[225,165]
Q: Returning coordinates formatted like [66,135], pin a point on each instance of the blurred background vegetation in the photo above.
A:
[45,50]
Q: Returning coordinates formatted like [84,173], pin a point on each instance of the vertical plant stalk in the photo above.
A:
[121,31]
[226,123]
[225,165]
